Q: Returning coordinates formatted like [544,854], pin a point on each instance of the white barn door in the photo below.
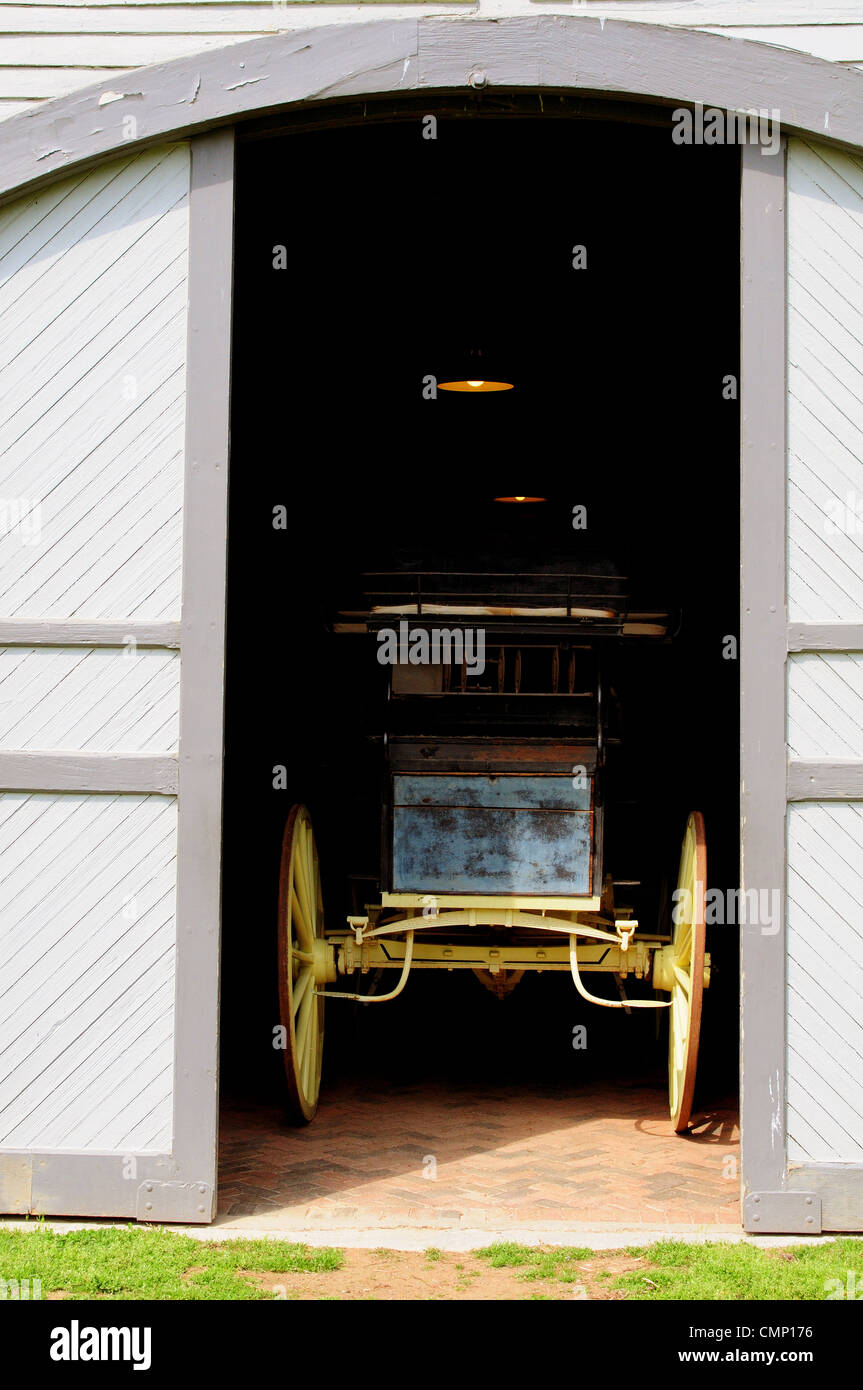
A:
[824,908]
[111,658]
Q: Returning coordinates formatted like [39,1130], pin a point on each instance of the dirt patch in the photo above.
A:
[411,1275]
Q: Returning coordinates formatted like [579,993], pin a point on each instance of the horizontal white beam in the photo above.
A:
[50,771]
[825,637]
[827,779]
[75,632]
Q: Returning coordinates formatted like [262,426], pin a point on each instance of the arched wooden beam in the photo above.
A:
[542,52]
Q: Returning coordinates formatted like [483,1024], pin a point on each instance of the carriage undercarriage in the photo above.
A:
[477,803]
[498,942]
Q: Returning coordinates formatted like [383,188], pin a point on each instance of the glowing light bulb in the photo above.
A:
[474,383]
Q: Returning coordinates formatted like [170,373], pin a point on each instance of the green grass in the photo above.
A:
[557,1264]
[672,1270]
[134,1262]
[677,1270]
[127,1262]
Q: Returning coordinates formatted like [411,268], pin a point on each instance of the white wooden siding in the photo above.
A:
[825,690]
[825,706]
[825,384]
[825,982]
[93,277]
[102,699]
[93,295]
[87,944]
[49,50]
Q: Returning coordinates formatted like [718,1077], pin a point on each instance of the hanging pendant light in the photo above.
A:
[477,375]
[480,385]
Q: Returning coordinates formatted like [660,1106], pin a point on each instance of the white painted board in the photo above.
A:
[93,290]
[87,949]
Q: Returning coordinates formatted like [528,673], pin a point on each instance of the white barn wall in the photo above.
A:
[93,281]
[825,384]
[98,698]
[87,964]
[825,983]
[824,967]
[93,297]
[49,50]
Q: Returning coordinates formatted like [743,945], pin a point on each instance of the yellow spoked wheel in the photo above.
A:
[683,969]
[301,956]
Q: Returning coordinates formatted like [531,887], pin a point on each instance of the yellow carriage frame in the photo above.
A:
[579,935]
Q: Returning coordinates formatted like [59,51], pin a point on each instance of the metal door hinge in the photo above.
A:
[184,1202]
[782,1213]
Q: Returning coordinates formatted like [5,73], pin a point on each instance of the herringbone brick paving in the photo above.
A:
[430,1155]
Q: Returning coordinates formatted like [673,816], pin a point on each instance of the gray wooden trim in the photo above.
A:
[825,637]
[199,845]
[763,656]
[840,1188]
[825,779]
[664,65]
[58,771]
[92,1183]
[73,632]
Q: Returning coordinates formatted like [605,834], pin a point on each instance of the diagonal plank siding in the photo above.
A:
[824,979]
[825,982]
[825,705]
[87,946]
[106,699]
[93,295]
[825,384]
[93,281]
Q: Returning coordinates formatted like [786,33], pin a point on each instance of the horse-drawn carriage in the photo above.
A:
[493,754]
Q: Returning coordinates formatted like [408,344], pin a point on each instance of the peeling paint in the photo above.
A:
[247,82]
[774,1088]
[107,97]
[194,97]
[48,153]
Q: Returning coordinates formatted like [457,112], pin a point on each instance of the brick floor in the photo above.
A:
[478,1156]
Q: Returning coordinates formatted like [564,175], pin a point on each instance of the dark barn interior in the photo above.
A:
[403,253]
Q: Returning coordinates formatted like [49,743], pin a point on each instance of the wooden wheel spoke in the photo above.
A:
[683,979]
[299,890]
[308,1017]
[300,921]
[304,980]
[308,868]
[303,1024]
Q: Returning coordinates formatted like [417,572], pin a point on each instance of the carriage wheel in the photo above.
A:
[684,973]
[301,926]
